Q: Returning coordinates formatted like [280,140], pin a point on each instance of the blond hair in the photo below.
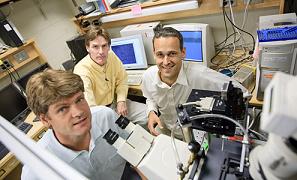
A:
[50,86]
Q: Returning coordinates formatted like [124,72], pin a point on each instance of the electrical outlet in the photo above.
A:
[2,66]
[6,64]
[226,2]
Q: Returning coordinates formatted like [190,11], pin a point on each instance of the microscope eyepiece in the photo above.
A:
[111,136]
[122,122]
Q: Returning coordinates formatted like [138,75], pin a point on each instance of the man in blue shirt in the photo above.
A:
[75,132]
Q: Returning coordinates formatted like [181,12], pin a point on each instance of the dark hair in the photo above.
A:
[94,32]
[161,31]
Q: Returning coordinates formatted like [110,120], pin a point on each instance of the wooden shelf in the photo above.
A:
[143,5]
[16,49]
[18,66]
[207,7]
[33,52]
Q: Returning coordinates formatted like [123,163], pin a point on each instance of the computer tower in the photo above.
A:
[77,47]
[274,56]
[9,34]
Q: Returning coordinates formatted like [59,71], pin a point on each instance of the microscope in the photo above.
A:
[153,156]
[277,159]
[163,157]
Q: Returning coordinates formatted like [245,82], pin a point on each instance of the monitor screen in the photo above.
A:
[12,102]
[198,41]
[130,50]
[22,82]
[193,45]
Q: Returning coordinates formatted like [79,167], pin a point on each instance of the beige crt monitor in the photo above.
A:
[147,32]
[198,41]
[130,51]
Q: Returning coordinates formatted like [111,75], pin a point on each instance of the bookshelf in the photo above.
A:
[206,7]
[31,51]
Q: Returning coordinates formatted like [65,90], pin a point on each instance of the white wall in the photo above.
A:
[50,30]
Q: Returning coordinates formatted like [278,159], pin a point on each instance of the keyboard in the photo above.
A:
[134,79]
[277,34]
[3,151]
[25,127]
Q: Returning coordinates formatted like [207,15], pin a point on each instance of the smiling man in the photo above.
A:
[105,79]
[75,132]
[171,81]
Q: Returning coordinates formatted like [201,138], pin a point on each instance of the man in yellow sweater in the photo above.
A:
[105,79]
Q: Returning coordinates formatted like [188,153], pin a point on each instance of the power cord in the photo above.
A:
[251,52]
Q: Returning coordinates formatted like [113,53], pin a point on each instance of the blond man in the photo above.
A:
[105,78]
[75,131]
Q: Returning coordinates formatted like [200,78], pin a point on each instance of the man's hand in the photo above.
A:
[154,120]
[122,108]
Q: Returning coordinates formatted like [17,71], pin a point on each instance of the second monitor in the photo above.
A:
[130,51]
[198,41]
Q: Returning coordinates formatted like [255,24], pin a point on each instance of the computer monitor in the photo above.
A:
[198,41]
[12,103]
[22,82]
[130,50]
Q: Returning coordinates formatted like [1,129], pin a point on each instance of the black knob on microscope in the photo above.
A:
[194,147]
[180,106]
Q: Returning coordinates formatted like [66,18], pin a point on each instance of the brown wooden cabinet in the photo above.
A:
[20,57]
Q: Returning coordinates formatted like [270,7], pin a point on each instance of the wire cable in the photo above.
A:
[258,134]
[226,33]
[242,60]
[234,29]
[245,15]
[225,39]
[16,72]
[243,31]
[10,72]
[9,75]
[245,132]
[253,119]
[179,165]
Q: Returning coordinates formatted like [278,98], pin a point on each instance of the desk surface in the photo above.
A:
[254,101]
[9,162]
[136,91]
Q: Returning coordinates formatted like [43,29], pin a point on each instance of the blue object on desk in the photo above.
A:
[227,72]
[277,34]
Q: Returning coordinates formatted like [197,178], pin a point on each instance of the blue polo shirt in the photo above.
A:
[101,161]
